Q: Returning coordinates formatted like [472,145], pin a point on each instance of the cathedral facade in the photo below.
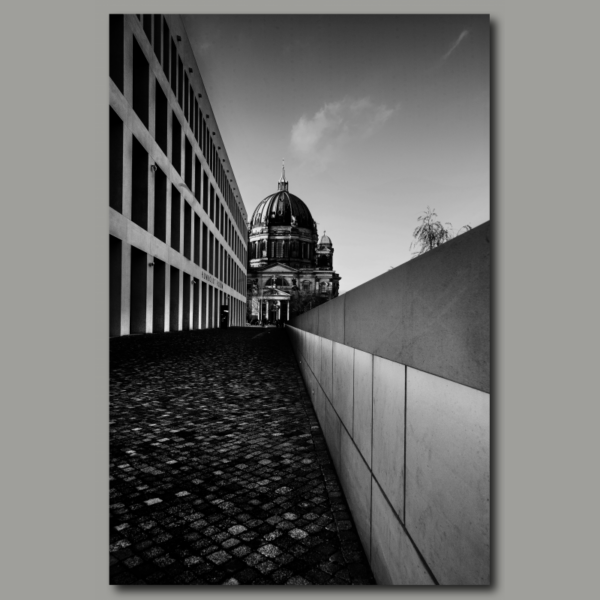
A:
[289,266]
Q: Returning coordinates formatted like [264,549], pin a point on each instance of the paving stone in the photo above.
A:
[266,566]
[253,559]
[247,576]
[270,550]
[297,580]
[219,472]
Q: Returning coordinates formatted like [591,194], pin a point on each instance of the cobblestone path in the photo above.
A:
[219,472]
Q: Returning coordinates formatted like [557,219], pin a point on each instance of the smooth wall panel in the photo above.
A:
[302,342]
[311,385]
[320,408]
[394,560]
[310,344]
[447,478]
[317,358]
[306,348]
[332,431]
[310,321]
[431,313]
[355,478]
[343,382]
[388,429]
[327,367]
[363,403]
[296,338]
[331,320]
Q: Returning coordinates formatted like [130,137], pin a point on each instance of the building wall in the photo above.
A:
[398,371]
[178,233]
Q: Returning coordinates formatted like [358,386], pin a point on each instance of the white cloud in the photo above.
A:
[319,140]
[461,37]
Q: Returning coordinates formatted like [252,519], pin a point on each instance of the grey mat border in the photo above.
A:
[55,348]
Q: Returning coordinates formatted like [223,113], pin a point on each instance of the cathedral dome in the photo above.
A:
[283,208]
[325,241]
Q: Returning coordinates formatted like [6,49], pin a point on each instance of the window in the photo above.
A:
[147,24]
[180,82]
[157,36]
[175,218]
[117,50]
[160,205]
[176,149]
[188,163]
[141,83]
[173,73]
[187,230]
[277,281]
[165,47]
[192,111]
[116,162]
[139,185]
[220,271]
[186,97]
[197,178]
[161,119]
[197,239]
[204,247]
[205,193]
[174,303]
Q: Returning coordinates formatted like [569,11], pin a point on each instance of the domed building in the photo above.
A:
[288,264]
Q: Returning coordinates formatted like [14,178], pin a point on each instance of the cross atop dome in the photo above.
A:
[282,184]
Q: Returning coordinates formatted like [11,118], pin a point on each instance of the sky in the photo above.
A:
[378,118]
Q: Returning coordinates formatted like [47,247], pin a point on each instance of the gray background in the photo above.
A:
[55,297]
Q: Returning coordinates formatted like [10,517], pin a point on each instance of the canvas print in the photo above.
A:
[299,248]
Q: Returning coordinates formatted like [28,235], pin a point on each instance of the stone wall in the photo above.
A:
[398,371]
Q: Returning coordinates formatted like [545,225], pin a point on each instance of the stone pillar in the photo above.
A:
[125,288]
[149,293]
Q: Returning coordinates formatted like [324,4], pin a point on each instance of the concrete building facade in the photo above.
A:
[177,224]
[287,259]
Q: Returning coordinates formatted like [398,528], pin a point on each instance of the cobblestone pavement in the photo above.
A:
[219,469]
